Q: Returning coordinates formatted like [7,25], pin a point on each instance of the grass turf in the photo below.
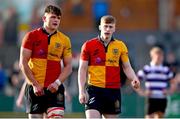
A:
[24,115]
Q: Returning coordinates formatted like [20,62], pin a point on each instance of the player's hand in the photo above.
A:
[144,93]
[167,92]
[83,97]
[53,87]
[135,84]
[147,93]
[38,90]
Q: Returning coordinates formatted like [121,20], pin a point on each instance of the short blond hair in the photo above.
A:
[109,19]
[156,50]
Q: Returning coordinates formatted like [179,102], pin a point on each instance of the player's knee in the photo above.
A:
[55,112]
[158,114]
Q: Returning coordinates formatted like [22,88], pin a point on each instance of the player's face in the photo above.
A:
[158,57]
[51,21]
[107,30]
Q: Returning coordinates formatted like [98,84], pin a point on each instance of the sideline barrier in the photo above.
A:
[173,108]
[6,103]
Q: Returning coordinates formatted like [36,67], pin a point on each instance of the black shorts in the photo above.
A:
[156,105]
[40,104]
[106,101]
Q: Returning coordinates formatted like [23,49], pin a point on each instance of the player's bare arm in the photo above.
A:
[172,88]
[66,71]
[173,85]
[131,75]
[82,75]
[25,55]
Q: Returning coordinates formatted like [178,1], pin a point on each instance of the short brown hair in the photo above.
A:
[108,19]
[53,9]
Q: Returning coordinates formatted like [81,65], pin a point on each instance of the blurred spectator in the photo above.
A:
[157,78]
[16,80]
[77,7]
[11,27]
[151,40]
[1,29]
[36,20]
[71,84]
[172,62]
[20,101]
[3,78]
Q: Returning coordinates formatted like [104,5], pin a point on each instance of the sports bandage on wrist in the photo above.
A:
[58,82]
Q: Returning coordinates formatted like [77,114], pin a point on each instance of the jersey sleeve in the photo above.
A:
[170,74]
[84,52]
[141,74]
[27,41]
[67,50]
[124,53]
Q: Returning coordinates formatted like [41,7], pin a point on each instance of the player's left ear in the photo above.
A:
[44,18]
[100,27]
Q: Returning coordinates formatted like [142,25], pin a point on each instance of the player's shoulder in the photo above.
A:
[92,40]
[62,35]
[90,43]
[119,41]
[165,67]
[147,68]
[33,32]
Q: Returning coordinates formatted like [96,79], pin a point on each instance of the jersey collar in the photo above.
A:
[153,64]
[112,39]
[44,31]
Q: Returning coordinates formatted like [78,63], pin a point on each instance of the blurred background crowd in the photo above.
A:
[141,24]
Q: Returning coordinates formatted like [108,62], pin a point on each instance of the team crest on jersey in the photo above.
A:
[115,51]
[57,45]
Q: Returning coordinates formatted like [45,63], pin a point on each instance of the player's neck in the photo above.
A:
[156,63]
[106,40]
[49,31]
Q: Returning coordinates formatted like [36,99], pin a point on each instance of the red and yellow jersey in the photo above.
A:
[103,62]
[47,52]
